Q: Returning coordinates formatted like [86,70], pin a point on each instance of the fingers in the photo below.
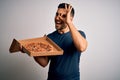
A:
[69,8]
[61,18]
[66,6]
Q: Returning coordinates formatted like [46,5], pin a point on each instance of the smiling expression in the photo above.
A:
[59,17]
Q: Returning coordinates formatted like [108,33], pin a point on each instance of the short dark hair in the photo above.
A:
[62,5]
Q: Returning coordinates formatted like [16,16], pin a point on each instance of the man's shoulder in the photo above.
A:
[54,32]
[82,33]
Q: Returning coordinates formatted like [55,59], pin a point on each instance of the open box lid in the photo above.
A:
[16,44]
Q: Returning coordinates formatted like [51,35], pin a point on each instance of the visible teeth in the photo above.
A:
[58,22]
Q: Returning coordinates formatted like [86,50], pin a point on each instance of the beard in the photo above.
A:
[60,26]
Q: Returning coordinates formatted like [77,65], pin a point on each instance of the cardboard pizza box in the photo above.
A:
[17,44]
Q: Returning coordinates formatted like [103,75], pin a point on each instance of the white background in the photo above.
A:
[99,19]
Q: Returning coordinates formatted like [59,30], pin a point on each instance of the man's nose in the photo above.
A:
[58,17]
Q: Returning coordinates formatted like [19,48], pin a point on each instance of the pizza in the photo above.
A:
[38,47]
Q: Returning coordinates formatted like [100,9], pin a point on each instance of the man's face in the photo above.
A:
[59,17]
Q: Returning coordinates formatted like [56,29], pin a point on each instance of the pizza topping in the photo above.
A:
[38,47]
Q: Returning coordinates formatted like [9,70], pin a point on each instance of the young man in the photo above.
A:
[72,41]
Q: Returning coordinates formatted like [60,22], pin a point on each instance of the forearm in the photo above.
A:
[79,41]
[42,60]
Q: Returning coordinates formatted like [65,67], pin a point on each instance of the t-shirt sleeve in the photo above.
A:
[82,33]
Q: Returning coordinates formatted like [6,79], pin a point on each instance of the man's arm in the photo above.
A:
[42,60]
[79,41]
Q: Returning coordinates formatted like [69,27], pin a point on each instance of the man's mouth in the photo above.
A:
[58,22]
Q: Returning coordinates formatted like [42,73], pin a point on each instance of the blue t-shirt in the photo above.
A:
[66,66]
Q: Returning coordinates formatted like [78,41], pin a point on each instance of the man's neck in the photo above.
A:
[62,31]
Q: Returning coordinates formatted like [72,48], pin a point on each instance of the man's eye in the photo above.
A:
[56,14]
[64,16]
